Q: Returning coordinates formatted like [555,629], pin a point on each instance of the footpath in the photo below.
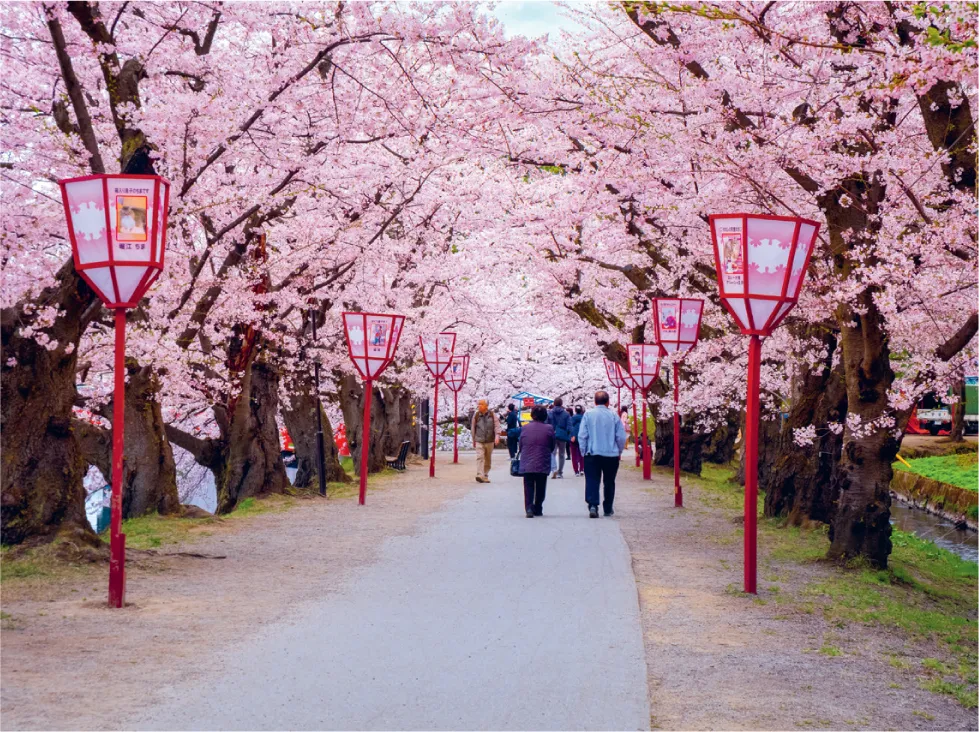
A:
[438,605]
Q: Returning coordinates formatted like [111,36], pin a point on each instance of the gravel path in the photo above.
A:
[719,659]
[438,605]
[482,619]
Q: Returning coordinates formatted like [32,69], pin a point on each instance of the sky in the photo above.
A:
[533,19]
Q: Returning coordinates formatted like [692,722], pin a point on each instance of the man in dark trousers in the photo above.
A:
[512,430]
[602,440]
[560,420]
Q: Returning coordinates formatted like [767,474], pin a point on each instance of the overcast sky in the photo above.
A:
[532,19]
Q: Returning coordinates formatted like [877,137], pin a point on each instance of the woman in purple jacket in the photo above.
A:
[536,445]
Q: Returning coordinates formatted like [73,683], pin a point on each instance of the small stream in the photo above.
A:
[941,532]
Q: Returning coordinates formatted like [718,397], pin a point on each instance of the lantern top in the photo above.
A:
[677,322]
[761,262]
[372,339]
[458,372]
[644,364]
[614,373]
[437,351]
[117,227]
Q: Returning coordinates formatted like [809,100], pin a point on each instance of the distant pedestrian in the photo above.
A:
[536,445]
[602,439]
[512,430]
[486,435]
[576,462]
[626,423]
[560,420]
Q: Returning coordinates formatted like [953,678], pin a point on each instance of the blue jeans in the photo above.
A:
[597,468]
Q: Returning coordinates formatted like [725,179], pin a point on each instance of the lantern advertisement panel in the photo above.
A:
[372,339]
[117,227]
[644,364]
[760,282]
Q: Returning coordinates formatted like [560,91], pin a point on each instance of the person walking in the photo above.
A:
[576,462]
[626,423]
[560,420]
[512,430]
[486,436]
[601,438]
[536,445]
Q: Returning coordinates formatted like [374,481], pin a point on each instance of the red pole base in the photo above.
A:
[455,427]
[647,462]
[677,490]
[751,468]
[365,441]
[435,424]
[117,570]
[635,428]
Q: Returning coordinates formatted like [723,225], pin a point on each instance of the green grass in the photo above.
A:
[926,593]
[958,470]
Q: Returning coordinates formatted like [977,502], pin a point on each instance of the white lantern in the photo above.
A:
[118,226]
[372,339]
[761,262]
[437,352]
[677,322]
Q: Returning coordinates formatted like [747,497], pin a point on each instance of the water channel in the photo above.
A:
[936,529]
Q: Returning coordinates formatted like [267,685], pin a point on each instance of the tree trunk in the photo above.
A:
[769,432]
[720,445]
[149,481]
[300,420]
[691,446]
[398,418]
[862,525]
[41,492]
[352,403]
[957,433]
[801,483]
[253,463]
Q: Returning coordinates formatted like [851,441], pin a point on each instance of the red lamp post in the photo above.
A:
[117,225]
[455,379]
[620,379]
[372,339]
[437,353]
[644,370]
[614,373]
[677,321]
[761,262]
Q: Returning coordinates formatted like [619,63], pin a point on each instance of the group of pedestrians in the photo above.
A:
[595,440]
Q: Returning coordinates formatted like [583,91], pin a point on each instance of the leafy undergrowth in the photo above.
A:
[927,593]
[958,470]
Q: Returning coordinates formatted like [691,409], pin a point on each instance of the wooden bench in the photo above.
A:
[398,463]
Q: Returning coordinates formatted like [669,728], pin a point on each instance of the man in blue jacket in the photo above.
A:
[602,440]
[560,420]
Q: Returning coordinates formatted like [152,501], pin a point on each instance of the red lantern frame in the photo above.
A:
[101,262]
[437,364]
[759,299]
[355,328]
[677,337]
[104,274]
[455,381]
[684,334]
[639,356]
[760,287]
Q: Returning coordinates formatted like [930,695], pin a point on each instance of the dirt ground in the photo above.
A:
[69,662]
[716,658]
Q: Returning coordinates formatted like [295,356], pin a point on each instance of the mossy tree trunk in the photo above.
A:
[299,416]
[149,480]
[801,483]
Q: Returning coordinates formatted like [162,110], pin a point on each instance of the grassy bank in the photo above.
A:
[926,594]
[47,564]
[958,470]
